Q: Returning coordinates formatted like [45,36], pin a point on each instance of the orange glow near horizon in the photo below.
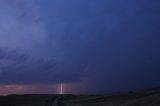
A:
[59,88]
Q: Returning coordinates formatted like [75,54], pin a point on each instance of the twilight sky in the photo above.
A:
[92,46]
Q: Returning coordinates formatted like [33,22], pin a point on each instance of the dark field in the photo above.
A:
[133,98]
[27,100]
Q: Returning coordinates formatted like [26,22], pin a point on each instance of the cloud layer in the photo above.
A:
[107,41]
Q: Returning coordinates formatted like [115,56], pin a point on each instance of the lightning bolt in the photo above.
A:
[61,88]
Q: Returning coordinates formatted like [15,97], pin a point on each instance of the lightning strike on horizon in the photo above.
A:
[61,88]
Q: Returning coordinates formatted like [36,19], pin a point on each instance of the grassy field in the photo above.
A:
[133,98]
[149,97]
[27,100]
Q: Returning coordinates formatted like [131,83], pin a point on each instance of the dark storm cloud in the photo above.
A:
[20,68]
[108,41]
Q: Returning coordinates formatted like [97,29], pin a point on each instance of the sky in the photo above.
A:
[91,46]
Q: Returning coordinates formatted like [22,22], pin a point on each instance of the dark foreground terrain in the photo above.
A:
[133,98]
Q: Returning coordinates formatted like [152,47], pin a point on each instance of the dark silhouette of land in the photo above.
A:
[150,97]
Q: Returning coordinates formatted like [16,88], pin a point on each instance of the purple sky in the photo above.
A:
[92,46]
